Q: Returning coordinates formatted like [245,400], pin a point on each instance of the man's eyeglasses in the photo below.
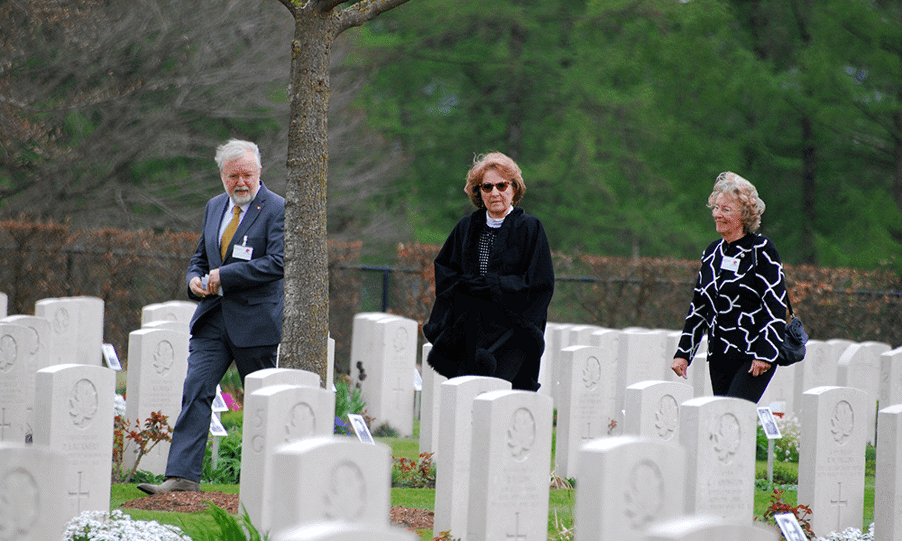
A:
[487,187]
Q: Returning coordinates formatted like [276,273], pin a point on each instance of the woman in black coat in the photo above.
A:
[493,283]
[739,299]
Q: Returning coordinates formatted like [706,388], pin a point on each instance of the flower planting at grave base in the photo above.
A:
[156,429]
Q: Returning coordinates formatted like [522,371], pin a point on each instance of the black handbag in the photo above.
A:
[792,350]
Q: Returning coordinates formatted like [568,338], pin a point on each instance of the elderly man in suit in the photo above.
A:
[236,274]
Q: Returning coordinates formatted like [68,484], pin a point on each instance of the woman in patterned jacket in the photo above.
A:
[739,299]
[493,283]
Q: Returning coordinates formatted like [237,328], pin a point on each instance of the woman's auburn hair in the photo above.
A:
[743,191]
[504,165]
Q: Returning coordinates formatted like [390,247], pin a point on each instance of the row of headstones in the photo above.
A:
[384,360]
[493,461]
[493,468]
[56,413]
[298,481]
[637,354]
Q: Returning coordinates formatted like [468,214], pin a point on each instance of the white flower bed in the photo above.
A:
[850,534]
[117,526]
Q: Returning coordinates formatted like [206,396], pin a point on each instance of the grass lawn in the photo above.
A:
[561,506]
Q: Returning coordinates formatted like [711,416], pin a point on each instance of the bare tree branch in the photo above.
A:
[325,6]
[364,11]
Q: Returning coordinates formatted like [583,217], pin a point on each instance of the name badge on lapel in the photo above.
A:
[730,264]
[243,252]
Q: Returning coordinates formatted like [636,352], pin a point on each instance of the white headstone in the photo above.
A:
[330,478]
[547,362]
[77,324]
[36,353]
[710,528]
[699,376]
[859,368]
[643,358]
[782,389]
[586,404]
[452,471]
[4,304]
[15,376]
[168,325]
[340,531]
[611,342]
[363,343]
[891,377]
[510,465]
[653,409]
[180,311]
[279,376]
[157,365]
[629,484]
[818,369]
[275,415]
[888,477]
[431,405]
[74,415]
[389,365]
[831,457]
[34,506]
[719,435]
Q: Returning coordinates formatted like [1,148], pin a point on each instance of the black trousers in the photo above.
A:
[732,378]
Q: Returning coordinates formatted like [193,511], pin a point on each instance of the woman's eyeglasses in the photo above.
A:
[488,186]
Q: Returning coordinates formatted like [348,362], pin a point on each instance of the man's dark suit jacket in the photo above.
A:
[252,290]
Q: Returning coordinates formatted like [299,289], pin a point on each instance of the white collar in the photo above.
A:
[495,223]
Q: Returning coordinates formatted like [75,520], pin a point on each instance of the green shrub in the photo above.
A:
[228,463]
[347,400]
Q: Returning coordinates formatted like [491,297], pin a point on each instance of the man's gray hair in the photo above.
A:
[234,149]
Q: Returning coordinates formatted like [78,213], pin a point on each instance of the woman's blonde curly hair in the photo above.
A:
[745,192]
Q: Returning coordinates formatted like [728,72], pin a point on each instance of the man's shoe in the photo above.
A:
[173,484]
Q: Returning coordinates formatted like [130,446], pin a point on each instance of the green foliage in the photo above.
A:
[385,430]
[227,528]
[622,113]
[228,463]
[779,506]
[144,476]
[406,473]
[347,400]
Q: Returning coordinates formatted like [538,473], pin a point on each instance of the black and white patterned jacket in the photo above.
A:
[739,300]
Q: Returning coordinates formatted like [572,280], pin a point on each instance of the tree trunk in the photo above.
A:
[305,322]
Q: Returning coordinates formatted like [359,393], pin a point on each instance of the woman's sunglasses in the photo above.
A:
[488,186]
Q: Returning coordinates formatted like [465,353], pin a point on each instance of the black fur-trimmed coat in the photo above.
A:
[492,324]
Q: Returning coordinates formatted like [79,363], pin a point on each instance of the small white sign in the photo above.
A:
[790,527]
[219,404]
[358,423]
[110,358]
[768,423]
[216,427]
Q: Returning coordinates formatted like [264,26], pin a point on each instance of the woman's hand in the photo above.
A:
[759,367]
[679,366]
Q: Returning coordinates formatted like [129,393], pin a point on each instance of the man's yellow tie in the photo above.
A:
[229,231]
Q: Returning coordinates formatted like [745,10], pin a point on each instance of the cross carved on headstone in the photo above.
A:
[839,503]
[4,424]
[78,493]
[587,433]
[517,536]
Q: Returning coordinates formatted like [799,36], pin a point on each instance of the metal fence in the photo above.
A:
[127,275]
